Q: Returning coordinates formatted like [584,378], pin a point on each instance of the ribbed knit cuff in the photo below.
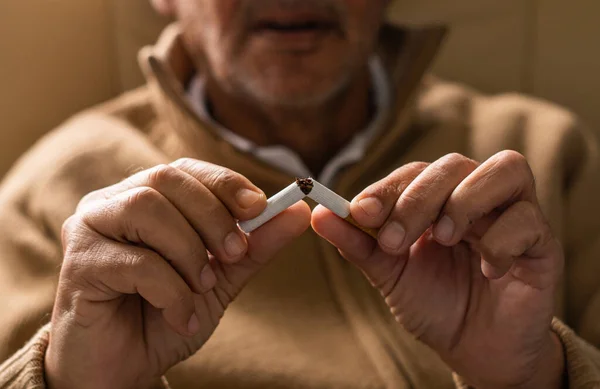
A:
[25,369]
[582,360]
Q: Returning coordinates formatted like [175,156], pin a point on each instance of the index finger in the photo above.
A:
[241,197]
[372,206]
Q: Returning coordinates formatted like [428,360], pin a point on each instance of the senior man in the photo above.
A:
[475,285]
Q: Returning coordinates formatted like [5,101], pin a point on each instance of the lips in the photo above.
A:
[297,32]
[294,26]
[296,19]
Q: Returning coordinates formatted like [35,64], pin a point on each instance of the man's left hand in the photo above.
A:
[467,263]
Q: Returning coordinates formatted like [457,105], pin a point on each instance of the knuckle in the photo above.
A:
[134,262]
[145,198]
[456,160]
[386,189]
[76,236]
[416,166]
[453,165]
[514,164]
[530,213]
[462,210]
[162,174]
[511,155]
[146,265]
[184,162]
[407,173]
[413,202]
[454,157]
[515,160]
[222,178]
[88,198]
[395,183]
[69,226]
[137,263]
[83,258]
[493,250]
[92,199]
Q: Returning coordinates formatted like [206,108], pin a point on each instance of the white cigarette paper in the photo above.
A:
[306,187]
[330,200]
[275,205]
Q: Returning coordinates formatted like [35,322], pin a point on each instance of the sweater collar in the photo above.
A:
[406,54]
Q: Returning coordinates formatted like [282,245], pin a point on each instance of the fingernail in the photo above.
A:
[234,245]
[392,236]
[246,198]
[444,229]
[371,206]
[193,324]
[208,277]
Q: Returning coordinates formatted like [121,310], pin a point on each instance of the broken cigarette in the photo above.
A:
[275,205]
[305,187]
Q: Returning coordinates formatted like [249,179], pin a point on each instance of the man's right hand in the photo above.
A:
[150,265]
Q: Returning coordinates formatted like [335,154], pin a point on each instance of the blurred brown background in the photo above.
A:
[60,56]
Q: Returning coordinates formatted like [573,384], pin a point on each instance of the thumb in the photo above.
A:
[358,248]
[263,244]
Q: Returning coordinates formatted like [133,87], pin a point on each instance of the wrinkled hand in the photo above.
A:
[466,262]
[150,265]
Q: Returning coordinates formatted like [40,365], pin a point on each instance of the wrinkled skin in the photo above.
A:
[150,265]
[467,263]
[245,57]
[464,258]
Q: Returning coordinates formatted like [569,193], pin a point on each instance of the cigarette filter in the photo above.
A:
[275,205]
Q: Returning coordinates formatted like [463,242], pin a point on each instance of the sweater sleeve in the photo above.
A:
[25,369]
[582,360]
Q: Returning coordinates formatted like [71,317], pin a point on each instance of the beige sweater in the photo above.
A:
[309,320]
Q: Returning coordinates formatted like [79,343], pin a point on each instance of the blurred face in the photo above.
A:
[281,52]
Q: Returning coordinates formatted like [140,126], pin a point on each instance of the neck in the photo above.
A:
[316,133]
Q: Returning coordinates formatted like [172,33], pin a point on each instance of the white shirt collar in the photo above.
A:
[285,158]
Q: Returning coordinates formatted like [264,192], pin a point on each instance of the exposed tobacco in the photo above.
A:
[306,185]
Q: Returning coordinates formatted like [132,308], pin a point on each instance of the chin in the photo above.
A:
[298,94]
[295,99]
